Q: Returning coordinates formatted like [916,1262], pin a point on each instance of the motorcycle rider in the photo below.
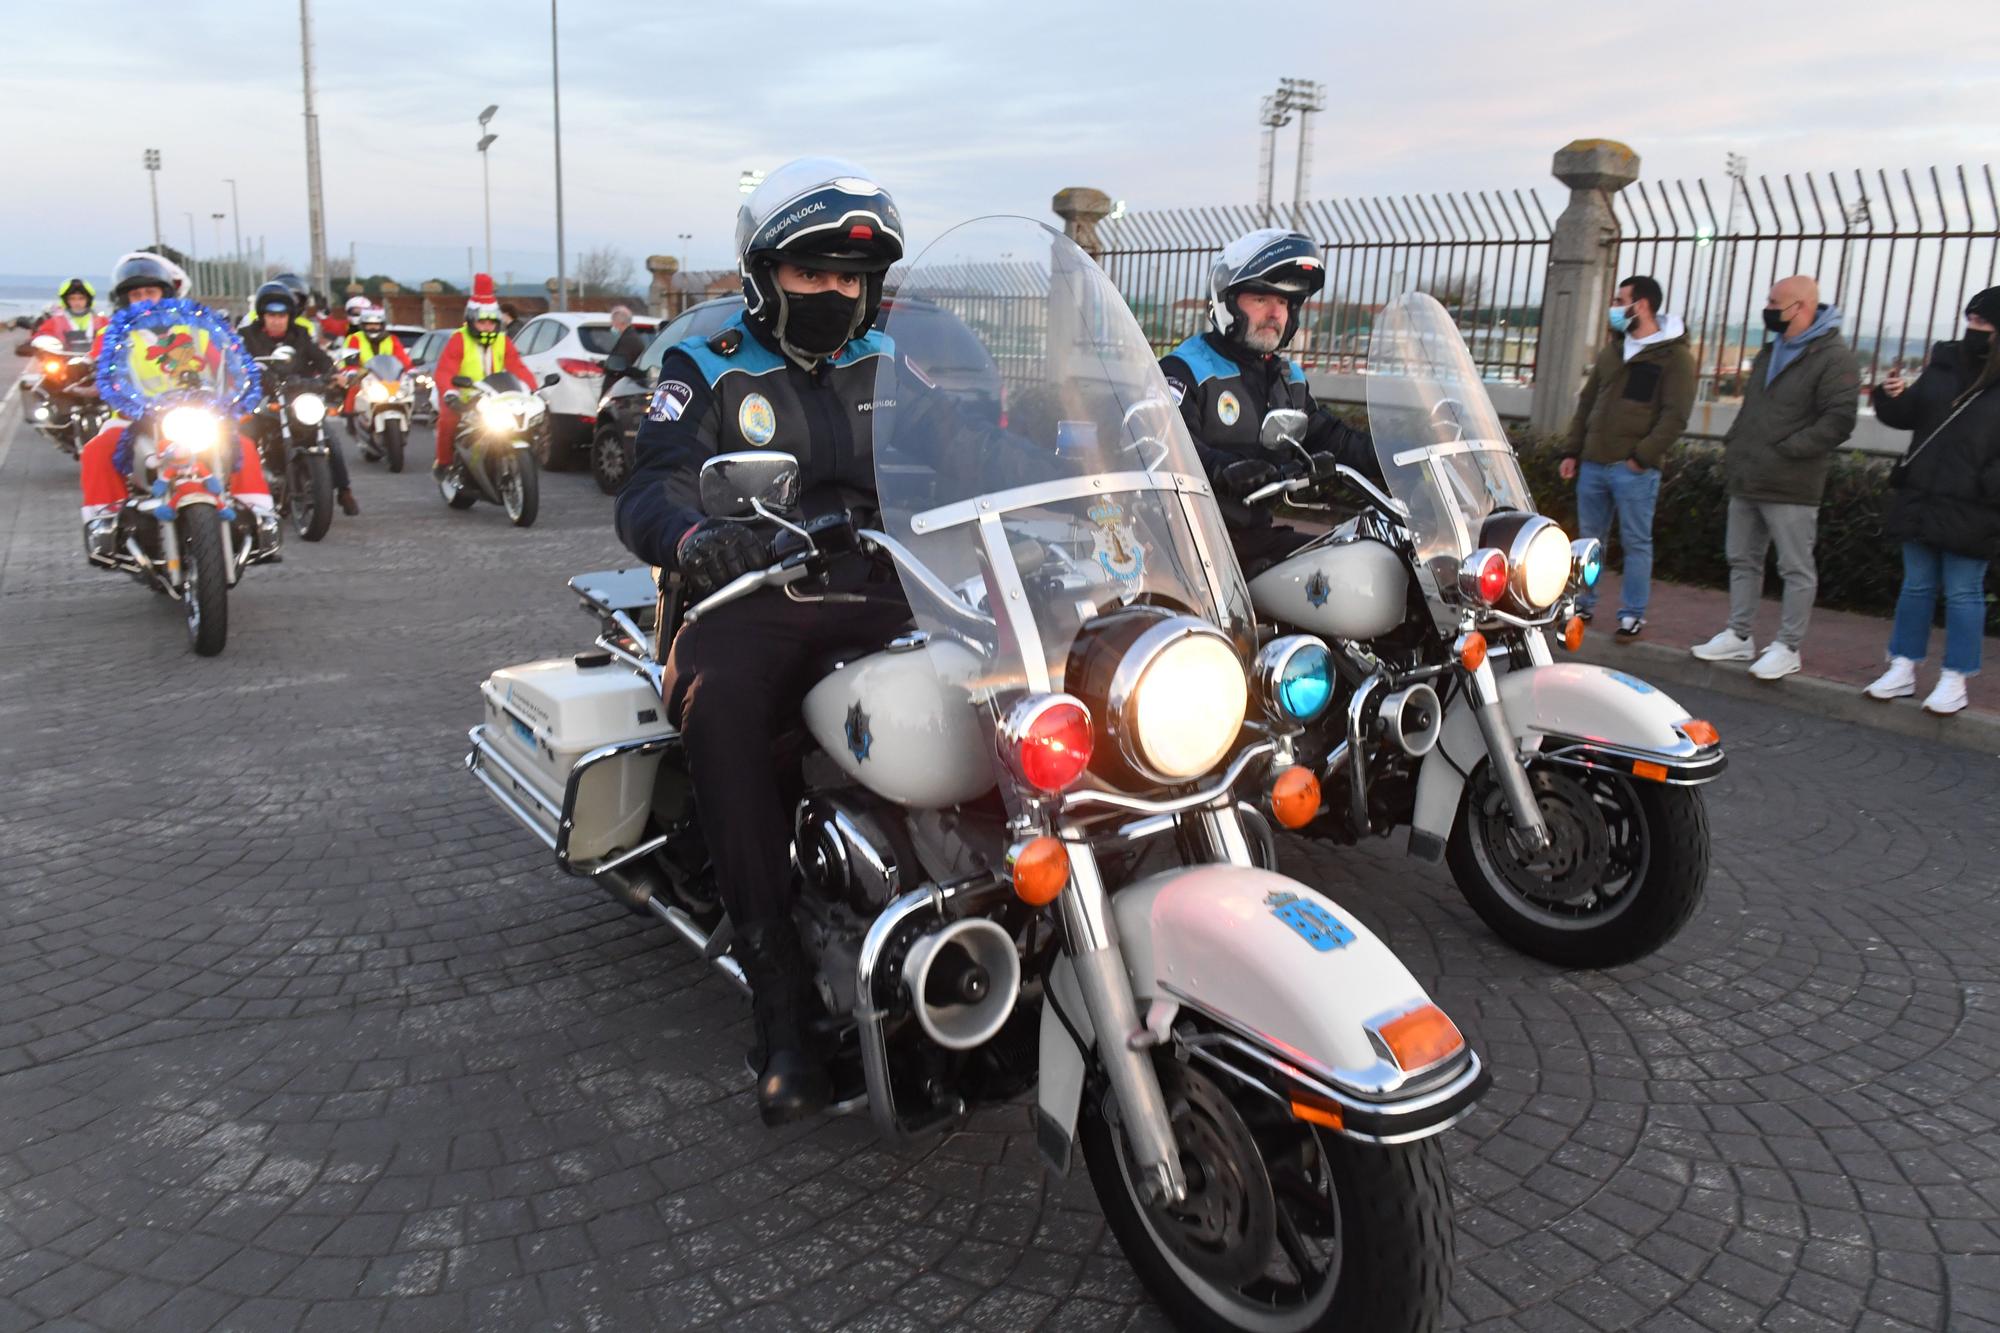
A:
[1227,378]
[277,325]
[478,350]
[76,325]
[795,371]
[371,338]
[110,471]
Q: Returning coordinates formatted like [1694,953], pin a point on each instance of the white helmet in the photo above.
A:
[818,213]
[1270,259]
[355,305]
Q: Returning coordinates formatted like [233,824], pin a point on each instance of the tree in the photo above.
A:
[605,270]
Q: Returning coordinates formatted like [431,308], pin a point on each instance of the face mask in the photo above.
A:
[1621,318]
[1978,342]
[1775,320]
[819,324]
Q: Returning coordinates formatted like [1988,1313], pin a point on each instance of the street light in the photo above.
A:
[153,181]
[486,180]
[236,221]
[749,181]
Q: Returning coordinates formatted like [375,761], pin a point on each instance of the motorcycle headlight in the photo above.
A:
[1588,555]
[1294,677]
[1539,558]
[1177,699]
[496,415]
[191,430]
[378,392]
[309,409]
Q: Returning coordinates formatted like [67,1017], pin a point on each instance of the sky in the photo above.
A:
[959,108]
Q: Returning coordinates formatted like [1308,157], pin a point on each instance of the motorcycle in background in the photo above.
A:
[1021,857]
[287,424]
[382,410]
[66,405]
[1564,797]
[493,457]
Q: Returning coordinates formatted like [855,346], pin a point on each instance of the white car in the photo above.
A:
[572,345]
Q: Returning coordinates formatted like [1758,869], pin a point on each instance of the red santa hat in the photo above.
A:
[485,302]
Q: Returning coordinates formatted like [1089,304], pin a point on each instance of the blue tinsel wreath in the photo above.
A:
[114,380]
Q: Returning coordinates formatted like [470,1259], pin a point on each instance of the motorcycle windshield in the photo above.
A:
[386,367]
[1084,496]
[1439,442]
[505,382]
[172,353]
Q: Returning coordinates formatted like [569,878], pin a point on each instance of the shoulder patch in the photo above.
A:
[1177,388]
[725,342]
[669,401]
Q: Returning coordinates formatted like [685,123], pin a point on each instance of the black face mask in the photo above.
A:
[1775,320]
[819,324]
[1977,343]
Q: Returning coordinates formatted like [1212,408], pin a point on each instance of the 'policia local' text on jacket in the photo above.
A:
[1225,390]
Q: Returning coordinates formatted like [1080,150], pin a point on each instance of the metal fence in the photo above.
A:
[1898,253]
[1483,254]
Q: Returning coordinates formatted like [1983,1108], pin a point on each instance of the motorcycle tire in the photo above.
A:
[311,493]
[204,583]
[520,485]
[391,439]
[1650,840]
[610,464]
[1386,1210]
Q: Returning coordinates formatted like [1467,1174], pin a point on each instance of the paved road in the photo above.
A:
[296,1031]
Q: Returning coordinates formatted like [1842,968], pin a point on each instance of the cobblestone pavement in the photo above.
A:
[297,1031]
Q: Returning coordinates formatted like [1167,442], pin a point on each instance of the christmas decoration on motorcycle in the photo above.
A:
[164,354]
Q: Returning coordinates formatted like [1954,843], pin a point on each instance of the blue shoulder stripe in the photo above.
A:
[1293,373]
[751,357]
[1204,362]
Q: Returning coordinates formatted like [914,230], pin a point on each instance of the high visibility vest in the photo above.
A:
[370,351]
[481,362]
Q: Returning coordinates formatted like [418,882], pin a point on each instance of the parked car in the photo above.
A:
[972,379]
[571,345]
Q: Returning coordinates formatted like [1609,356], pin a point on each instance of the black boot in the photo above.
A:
[792,1082]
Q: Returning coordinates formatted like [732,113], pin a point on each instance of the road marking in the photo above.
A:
[11,400]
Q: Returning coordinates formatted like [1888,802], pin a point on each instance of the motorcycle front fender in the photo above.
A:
[1574,712]
[1293,985]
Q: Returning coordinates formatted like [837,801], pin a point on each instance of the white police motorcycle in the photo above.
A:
[1020,852]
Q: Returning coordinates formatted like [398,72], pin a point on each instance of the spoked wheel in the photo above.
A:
[1624,869]
[608,462]
[520,486]
[311,494]
[204,583]
[391,439]
[1286,1228]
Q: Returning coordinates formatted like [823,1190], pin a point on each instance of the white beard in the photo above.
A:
[1263,341]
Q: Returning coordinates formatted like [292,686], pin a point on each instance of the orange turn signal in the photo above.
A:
[1652,772]
[1421,1038]
[1573,633]
[1472,650]
[1318,1113]
[1040,867]
[1700,732]
[1295,796]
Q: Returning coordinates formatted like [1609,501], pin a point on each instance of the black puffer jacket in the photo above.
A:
[1949,494]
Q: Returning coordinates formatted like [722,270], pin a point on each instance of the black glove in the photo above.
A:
[1244,476]
[1323,468]
[716,551]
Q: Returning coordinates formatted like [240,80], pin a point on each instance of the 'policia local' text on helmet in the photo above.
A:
[818,213]
[1285,263]
[143,268]
[275,297]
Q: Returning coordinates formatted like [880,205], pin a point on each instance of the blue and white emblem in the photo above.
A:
[668,401]
[1318,589]
[756,420]
[859,739]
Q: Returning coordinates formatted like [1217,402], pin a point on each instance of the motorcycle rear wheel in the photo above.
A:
[311,493]
[204,584]
[391,437]
[1626,866]
[1334,1234]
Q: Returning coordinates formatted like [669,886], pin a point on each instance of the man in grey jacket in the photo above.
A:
[1798,407]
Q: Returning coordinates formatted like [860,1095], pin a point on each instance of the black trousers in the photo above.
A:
[1258,548]
[734,682]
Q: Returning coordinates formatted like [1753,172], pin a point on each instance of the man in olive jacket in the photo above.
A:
[1799,405]
[1634,407]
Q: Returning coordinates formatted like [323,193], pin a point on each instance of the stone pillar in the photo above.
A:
[1081,209]
[1581,274]
[432,290]
[662,302]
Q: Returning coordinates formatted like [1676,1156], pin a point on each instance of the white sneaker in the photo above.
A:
[1777,662]
[1898,682]
[1727,646]
[1948,697]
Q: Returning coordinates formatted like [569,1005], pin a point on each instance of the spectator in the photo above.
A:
[1944,505]
[1634,407]
[628,343]
[510,321]
[1799,404]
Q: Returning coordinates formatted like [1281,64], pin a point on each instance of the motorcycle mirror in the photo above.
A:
[551,381]
[730,483]
[461,381]
[1282,425]
[617,365]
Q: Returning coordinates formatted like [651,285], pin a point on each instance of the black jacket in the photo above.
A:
[631,345]
[1224,390]
[1948,494]
[309,359]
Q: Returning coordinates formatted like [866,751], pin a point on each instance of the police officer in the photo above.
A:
[794,372]
[1226,379]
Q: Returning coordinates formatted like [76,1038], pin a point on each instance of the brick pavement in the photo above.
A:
[298,1032]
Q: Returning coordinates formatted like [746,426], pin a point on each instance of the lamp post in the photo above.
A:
[555,85]
[315,196]
[749,180]
[153,182]
[486,179]
[236,221]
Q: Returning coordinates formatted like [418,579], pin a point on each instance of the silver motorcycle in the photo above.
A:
[1020,855]
[1564,797]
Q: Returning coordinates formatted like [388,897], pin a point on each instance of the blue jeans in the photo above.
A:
[1926,569]
[1605,489]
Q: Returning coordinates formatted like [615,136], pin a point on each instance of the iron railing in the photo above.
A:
[1899,253]
[1483,254]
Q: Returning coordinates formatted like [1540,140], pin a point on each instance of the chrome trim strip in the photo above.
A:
[1014,595]
[1216,791]
[1050,492]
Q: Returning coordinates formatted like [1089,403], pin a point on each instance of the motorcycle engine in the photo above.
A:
[846,850]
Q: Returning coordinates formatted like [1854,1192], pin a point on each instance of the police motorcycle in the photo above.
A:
[492,455]
[66,405]
[287,424]
[177,373]
[1564,797]
[1020,854]
[382,410]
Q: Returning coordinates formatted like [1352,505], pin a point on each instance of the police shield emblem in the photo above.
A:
[755,419]
[1117,549]
[1227,408]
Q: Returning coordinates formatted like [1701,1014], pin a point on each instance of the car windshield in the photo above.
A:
[699,322]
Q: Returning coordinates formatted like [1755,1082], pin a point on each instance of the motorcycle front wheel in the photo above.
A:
[391,439]
[204,582]
[520,487]
[1625,867]
[311,493]
[1287,1227]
